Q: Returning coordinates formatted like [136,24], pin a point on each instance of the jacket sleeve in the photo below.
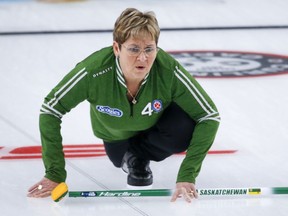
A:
[191,97]
[72,90]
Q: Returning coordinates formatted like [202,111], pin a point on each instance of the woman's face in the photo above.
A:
[136,57]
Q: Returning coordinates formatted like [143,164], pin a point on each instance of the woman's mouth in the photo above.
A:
[140,67]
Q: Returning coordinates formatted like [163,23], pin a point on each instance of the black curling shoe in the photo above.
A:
[139,172]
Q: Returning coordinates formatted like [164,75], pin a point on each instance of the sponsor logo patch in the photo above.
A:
[231,64]
[109,111]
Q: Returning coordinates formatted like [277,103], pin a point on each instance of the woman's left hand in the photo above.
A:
[186,190]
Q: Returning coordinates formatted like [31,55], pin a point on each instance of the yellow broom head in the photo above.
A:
[59,192]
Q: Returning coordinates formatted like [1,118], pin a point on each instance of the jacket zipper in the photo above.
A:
[131,109]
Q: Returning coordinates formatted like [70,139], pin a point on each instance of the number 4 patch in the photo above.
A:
[156,106]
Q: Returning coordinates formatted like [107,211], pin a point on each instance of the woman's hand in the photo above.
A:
[42,189]
[186,190]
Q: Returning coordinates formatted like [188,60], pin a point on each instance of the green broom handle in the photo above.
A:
[121,193]
[168,192]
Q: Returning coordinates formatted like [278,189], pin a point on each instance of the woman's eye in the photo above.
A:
[134,50]
[149,50]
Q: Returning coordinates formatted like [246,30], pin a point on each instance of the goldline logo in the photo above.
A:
[225,64]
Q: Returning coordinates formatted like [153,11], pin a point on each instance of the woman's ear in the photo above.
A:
[116,48]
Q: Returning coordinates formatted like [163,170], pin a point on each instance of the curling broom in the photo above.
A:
[62,189]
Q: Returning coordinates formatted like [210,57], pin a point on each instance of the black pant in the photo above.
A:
[171,134]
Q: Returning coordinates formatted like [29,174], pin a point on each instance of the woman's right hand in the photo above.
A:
[42,189]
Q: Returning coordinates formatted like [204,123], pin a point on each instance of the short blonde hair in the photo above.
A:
[133,23]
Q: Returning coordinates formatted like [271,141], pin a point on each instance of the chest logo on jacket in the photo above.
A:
[109,111]
[157,105]
[102,72]
[154,106]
